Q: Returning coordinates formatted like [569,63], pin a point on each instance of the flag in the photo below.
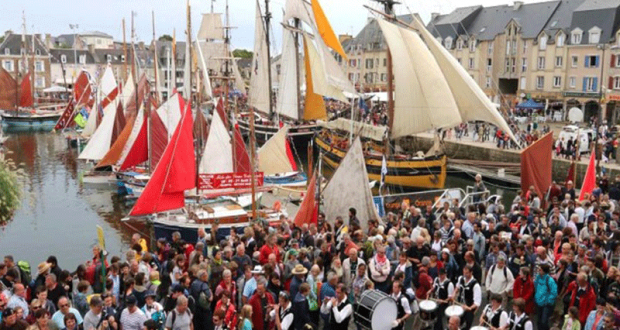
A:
[384,171]
[309,207]
[536,165]
[571,172]
[80,120]
[589,181]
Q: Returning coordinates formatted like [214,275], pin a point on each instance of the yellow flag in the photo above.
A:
[100,237]
[325,30]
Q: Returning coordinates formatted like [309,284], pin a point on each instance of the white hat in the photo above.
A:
[257,270]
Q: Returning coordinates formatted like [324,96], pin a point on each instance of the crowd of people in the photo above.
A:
[539,265]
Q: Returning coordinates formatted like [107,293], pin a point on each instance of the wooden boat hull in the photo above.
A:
[424,173]
[34,122]
[300,134]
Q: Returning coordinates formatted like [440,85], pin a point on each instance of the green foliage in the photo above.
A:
[10,190]
[242,53]
[165,37]
[1,39]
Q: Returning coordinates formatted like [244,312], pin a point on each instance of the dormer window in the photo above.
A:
[594,35]
[472,45]
[38,52]
[82,59]
[576,36]
[542,45]
[7,51]
[448,43]
[459,44]
[560,40]
[108,58]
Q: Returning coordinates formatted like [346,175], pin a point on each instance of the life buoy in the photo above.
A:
[277,205]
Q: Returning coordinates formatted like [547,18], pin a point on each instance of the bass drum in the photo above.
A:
[375,310]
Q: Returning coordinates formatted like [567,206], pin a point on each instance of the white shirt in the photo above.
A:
[489,313]
[287,321]
[437,282]
[338,315]
[527,326]
[477,291]
[496,282]
[403,301]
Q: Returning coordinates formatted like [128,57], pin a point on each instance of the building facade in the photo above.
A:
[19,54]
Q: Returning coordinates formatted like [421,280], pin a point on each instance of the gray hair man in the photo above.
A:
[500,280]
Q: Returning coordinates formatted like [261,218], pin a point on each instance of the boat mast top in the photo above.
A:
[267,25]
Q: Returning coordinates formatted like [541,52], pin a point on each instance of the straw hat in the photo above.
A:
[43,268]
[299,270]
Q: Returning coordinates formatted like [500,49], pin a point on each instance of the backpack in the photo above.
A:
[24,272]
[492,271]
[203,302]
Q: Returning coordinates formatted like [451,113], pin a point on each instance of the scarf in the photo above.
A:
[381,259]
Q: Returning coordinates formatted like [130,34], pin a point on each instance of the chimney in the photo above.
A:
[434,16]
[517,5]
[48,41]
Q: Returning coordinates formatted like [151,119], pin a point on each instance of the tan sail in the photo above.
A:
[211,27]
[272,157]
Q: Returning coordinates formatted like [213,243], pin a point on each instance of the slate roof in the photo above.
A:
[455,23]
[70,55]
[562,17]
[13,42]
[604,14]
[370,37]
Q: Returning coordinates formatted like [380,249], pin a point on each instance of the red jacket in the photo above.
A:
[257,311]
[265,251]
[425,285]
[231,314]
[587,302]
[524,289]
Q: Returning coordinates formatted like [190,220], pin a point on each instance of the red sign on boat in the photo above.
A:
[229,180]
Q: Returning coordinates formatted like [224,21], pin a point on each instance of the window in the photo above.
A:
[574,61]
[540,82]
[384,77]
[472,46]
[490,64]
[594,35]
[617,64]
[591,61]
[557,81]
[369,63]
[98,41]
[108,58]
[471,63]
[572,82]
[385,62]
[523,83]
[7,51]
[459,60]
[541,63]
[351,62]
[82,59]
[616,83]
[490,48]
[576,36]
[514,47]
[560,40]
[38,66]
[590,84]
[459,44]
[523,64]
[39,82]
[448,43]
[8,65]
[38,52]
[351,77]
[513,65]
[508,47]
[542,44]
[524,46]
[369,78]
[63,59]
[558,61]
[507,65]
[488,82]
[377,62]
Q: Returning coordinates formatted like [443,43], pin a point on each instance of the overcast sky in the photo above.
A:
[346,16]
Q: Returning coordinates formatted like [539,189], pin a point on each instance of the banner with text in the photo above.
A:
[229,180]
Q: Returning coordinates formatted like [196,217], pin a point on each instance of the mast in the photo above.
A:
[252,162]
[189,42]
[155,58]
[32,68]
[226,73]
[133,61]
[297,65]
[267,22]
[125,53]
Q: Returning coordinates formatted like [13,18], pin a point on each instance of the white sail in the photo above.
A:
[211,27]
[272,156]
[366,131]
[128,89]
[239,83]
[259,82]
[202,63]
[133,136]
[287,103]
[423,99]
[107,84]
[91,124]
[299,9]
[101,141]
[350,180]
[335,76]
[217,156]
[471,100]
[170,113]
[320,84]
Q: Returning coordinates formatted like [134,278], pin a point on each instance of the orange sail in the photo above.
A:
[25,97]
[307,209]
[589,181]
[325,29]
[314,105]
[8,90]
[175,173]
[114,154]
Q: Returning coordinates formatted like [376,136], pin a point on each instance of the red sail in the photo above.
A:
[143,90]
[114,154]
[289,154]
[201,129]
[175,173]
[221,112]
[307,209]
[139,152]
[81,90]
[589,181]
[25,97]
[66,116]
[536,164]
[8,90]
[241,160]
[119,123]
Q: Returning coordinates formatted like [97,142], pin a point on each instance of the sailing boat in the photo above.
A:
[77,111]
[275,160]
[323,75]
[432,92]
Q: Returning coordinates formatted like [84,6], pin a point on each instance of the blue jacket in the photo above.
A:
[590,322]
[546,290]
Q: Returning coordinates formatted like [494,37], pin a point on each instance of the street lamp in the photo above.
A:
[74,27]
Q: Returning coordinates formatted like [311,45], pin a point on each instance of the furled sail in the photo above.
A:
[287,103]
[217,156]
[471,100]
[273,157]
[175,173]
[423,99]
[259,81]
[211,27]
[350,180]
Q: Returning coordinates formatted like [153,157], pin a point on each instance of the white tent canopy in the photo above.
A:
[56,89]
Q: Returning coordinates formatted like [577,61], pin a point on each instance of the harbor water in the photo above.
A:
[59,216]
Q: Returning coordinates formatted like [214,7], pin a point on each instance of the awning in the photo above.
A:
[530,104]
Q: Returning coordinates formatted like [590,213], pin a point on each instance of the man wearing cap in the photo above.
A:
[250,285]
[132,318]
[10,321]
[94,317]
[299,277]
[152,309]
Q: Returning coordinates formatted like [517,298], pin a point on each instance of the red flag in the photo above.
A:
[536,165]
[289,154]
[175,172]
[308,208]
[589,182]
[571,172]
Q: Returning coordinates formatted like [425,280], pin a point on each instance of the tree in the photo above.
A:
[242,53]
[165,37]
[10,190]
[1,39]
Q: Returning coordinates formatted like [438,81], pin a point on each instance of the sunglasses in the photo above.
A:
[36,307]
[64,305]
